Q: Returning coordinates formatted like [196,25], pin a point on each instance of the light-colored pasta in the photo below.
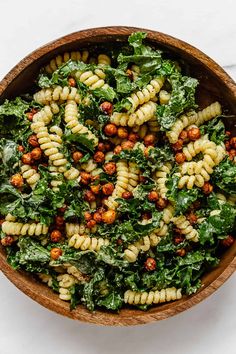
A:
[85,242]
[72,270]
[80,229]
[152,297]
[45,115]
[134,173]
[58,93]
[164,97]
[45,278]
[30,175]
[141,130]
[161,177]
[66,281]
[18,228]
[186,228]
[56,62]
[91,79]
[143,245]
[104,59]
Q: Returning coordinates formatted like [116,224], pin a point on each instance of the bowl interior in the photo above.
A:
[214,85]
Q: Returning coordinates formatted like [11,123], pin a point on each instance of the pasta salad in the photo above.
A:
[116,188]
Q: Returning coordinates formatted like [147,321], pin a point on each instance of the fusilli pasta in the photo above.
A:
[152,297]
[85,242]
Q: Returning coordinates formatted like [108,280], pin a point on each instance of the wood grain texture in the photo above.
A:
[214,84]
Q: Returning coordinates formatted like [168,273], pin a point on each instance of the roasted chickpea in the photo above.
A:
[85,177]
[150,264]
[119,242]
[127,195]
[181,252]
[101,147]
[194,134]
[95,178]
[17,180]
[207,188]
[89,196]
[109,216]
[117,150]
[87,216]
[71,82]
[91,223]
[161,203]
[184,136]
[178,239]
[130,74]
[180,157]
[153,196]
[99,157]
[56,236]
[149,140]
[95,188]
[27,158]
[62,209]
[192,218]
[33,140]
[233,142]
[178,145]
[146,216]
[133,137]
[142,179]
[228,241]
[97,217]
[55,253]
[110,168]
[122,133]
[110,129]
[59,220]
[29,115]
[108,188]
[107,146]
[7,241]
[36,153]
[227,145]
[77,156]
[21,148]
[228,133]
[127,145]
[232,154]
[106,107]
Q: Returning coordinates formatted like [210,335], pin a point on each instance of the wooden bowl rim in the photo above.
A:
[126,317]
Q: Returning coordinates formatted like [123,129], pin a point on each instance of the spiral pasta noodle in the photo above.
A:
[161,177]
[56,62]
[143,114]
[85,242]
[164,97]
[141,130]
[104,59]
[58,93]
[134,173]
[143,245]
[45,278]
[66,281]
[152,297]
[45,115]
[18,228]
[31,176]
[80,229]
[198,119]
[91,79]
[72,270]
[186,228]
[71,118]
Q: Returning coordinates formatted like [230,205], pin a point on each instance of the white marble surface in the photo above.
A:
[26,327]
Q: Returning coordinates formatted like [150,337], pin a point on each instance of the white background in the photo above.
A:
[26,327]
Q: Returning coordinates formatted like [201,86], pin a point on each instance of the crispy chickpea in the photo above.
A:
[97,217]
[178,239]
[17,180]
[233,142]
[184,136]
[150,264]
[127,195]
[62,209]
[106,107]
[117,150]
[153,196]
[130,74]
[89,196]
[192,218]
[91,223]
[207,188]
[29,115]
[99,157]
[27,158]
[119,242]
[33,140]
[180,157]
[109,216]
[178,145]
[101,147]
[107,146]
[149,139]
[146,216]
[110,168]
[161,203]
[110,129]
[85,177]
[227,145]
[108,188]
[181,252]
[7,241]
[228,133]
[133,137]
[95,178]
[36,153]
[71,82]
[77,156]
[55,253]
[95,188]
[142,179]
[127,145]
[59,220]
[56,236]
[122,133]
[228,241]
[21,148]
[87,216]
[194,133]
[232,154]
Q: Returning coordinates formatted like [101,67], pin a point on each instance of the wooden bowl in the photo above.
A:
[215,84]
